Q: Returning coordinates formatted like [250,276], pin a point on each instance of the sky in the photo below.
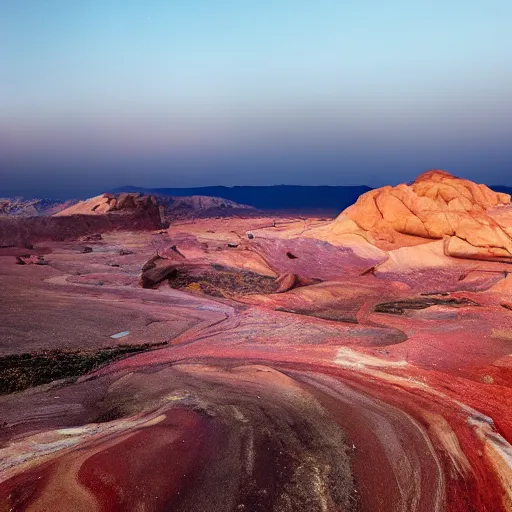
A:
[96,94]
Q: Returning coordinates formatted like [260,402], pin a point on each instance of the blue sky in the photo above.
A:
[100,93]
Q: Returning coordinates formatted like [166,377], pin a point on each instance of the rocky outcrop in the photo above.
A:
[289,281]
[110,203]
[169,207]
[163,265]
[460,248]
[126,212]
[157,270]
[436,205]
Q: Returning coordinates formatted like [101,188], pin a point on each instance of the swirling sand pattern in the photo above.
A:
[310,400]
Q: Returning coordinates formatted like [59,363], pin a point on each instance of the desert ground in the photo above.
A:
[263,363]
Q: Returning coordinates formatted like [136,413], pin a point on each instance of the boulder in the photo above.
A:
[158,269]
[286,282]
[289,281]
[31,259]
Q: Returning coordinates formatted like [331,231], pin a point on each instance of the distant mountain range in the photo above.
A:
[271,198]
[278,197]
[501,188]
[17,206]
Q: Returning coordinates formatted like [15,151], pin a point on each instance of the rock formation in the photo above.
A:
[436,205]
[161,266]
[170,207]
[109,203]
[105,213]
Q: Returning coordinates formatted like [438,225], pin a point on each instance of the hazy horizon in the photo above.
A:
[97,95]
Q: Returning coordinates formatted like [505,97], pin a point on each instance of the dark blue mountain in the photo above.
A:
[501,188]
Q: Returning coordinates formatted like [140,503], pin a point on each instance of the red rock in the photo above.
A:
[170,252]
[107,203]
[30,260]
[289,281]
[158,269]
[286,282]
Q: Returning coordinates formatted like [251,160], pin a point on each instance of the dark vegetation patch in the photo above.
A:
[23,371]
[336,315]
[112,413]
[222,282]
[399,307]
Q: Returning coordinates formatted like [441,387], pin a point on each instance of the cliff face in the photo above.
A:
[436,205]
[127,212]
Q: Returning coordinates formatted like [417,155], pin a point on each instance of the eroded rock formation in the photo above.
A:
[436,205]
[99,214]
[108,203]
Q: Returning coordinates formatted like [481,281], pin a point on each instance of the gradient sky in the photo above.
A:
[96,94]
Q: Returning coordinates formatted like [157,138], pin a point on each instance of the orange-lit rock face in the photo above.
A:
[457,193]
[436,205]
